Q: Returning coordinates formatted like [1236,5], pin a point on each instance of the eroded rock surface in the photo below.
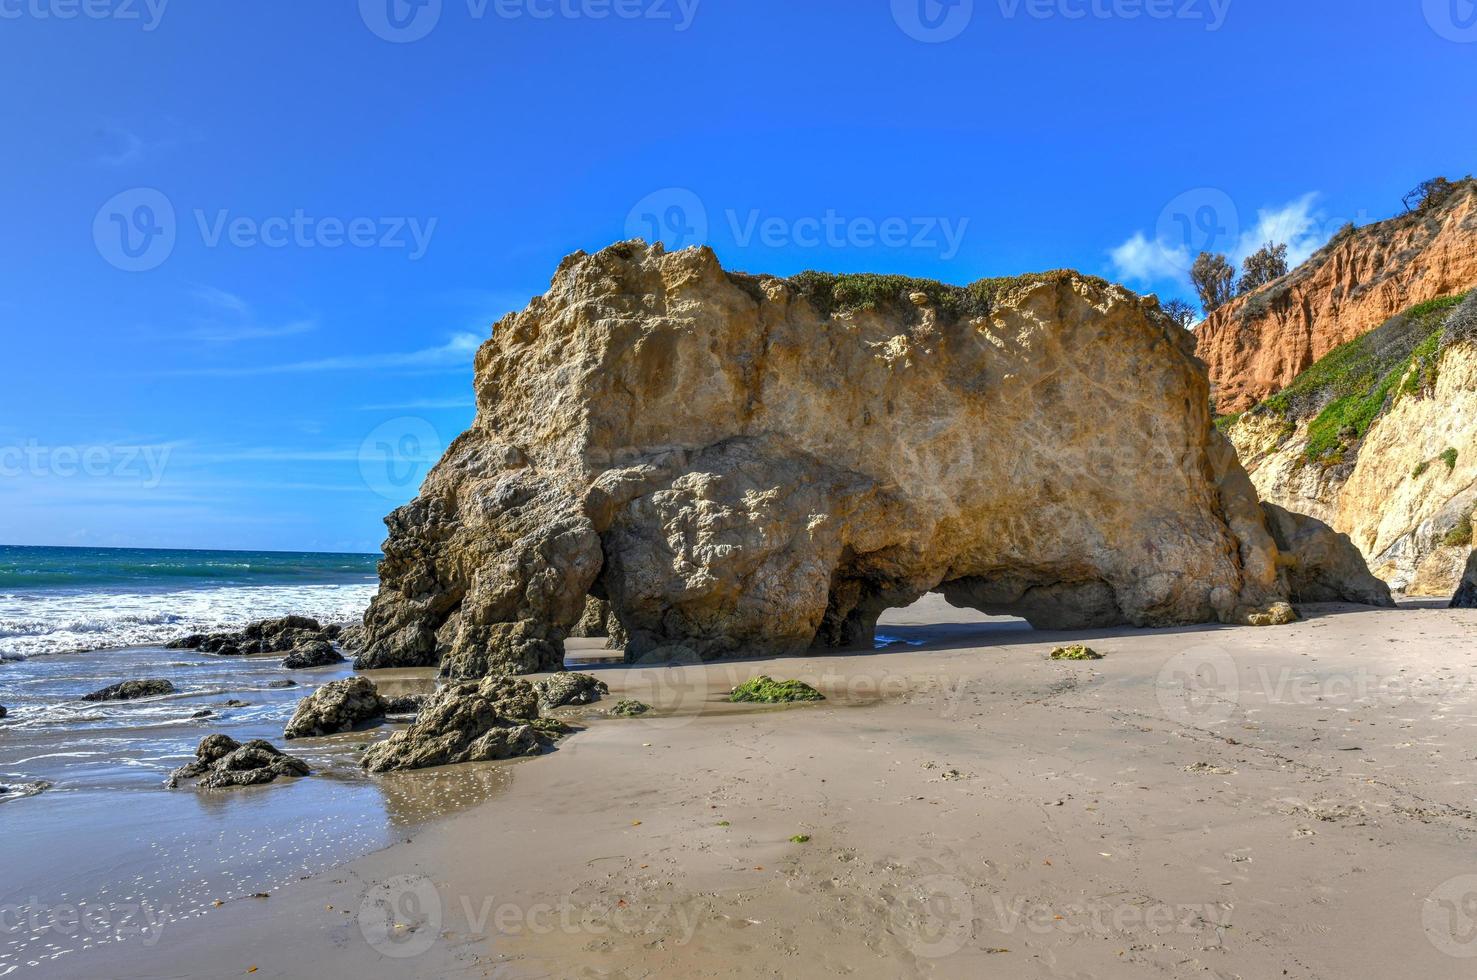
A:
[464,722]
[752,465]
[338,706]
[315,653]
[1323,565]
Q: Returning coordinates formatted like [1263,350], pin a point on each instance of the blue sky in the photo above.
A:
[250,248]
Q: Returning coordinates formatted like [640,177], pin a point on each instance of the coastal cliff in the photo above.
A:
[1257,344]
[748,465]
[1378,441]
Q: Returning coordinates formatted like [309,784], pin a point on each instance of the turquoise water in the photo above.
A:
[85,568]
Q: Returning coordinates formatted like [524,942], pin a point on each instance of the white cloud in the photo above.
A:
[233,321]
[1144,261]
[455,354]
[1298,223]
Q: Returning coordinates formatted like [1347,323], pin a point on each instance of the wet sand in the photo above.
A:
[1219,802]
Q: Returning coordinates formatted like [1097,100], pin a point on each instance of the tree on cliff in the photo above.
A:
[1262,266]
[1181,312]
[1429,194]
[1214,278]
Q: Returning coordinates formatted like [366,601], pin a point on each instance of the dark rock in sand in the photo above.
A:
[2,711]
[285,682]
[318,653]
[562,689]
[464,722]
[191,642]
[338,706]
[18,791]
[221,762]
[237,703]
[131,690]
[203,713]
[405,704]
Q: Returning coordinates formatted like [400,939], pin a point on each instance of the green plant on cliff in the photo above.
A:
[1348,389]
[1420,469]
[835,294]
[1449,457]
[1460,536]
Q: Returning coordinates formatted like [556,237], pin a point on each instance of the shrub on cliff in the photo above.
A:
[1214,278]
[1266,264]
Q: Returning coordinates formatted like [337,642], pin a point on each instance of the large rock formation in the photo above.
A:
[750,465]
[1466,594]
[1378,441]
[1257,344]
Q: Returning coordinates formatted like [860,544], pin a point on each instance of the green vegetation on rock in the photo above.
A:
[1075,652]
[1348,389]
[552,727]
[629,709]
[767,690]
[837,295]
[1420,469]
[800,839]
[1449,457]
[1461,535]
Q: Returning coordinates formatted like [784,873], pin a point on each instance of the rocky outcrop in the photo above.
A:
[267,636]
[221,762]
[752,465]
[464,722]
[1316,557]
[1400,479]
[338,706]
[1466,593]
[1257,344]
[132,690]
[315,653]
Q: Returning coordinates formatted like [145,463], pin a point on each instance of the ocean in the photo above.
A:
[98,850]
[72,600]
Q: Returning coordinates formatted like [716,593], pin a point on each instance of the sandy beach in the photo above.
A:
[1219,802]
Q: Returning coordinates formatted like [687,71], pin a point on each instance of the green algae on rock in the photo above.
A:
[1075,652]
[766,690]
[630,709]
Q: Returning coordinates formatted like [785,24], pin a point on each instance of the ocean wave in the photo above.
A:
[41,625]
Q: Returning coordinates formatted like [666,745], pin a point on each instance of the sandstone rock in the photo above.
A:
[592,622]
[562,689]
[315,653]
[223,762]
[1257,344]
[132,690]
[464,722]
[1321,564]
[748,465]
[1466,594]
[338,706]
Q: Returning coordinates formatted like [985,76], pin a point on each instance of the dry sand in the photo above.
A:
[1219,802]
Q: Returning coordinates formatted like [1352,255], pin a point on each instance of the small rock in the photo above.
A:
[474,721]
[1075,652]
[221,761]
[338,706]
[562,689]
[629,708]
[132,690]
[405,704]
[3,712]
[318,653]
[286,682]
[236,703]
[766,690]
[203,713]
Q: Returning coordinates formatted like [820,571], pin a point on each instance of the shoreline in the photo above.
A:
[970,806]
